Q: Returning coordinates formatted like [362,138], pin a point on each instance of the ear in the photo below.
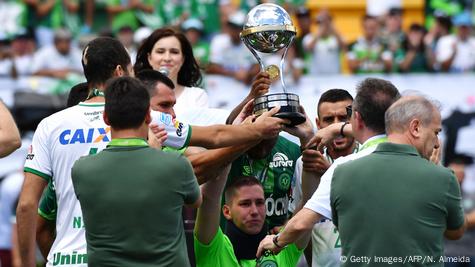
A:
[227,212]
[119,71]
[148,117]
[358,120]
[415,128]
[106,118]
[317,121]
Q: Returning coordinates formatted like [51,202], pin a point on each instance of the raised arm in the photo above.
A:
[216,136]
[260,86]
[207,220]
[296,231]
[9,134]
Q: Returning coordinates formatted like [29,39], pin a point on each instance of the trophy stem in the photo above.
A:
[282,65]
[256,55]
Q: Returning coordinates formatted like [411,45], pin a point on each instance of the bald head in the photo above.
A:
[402,112]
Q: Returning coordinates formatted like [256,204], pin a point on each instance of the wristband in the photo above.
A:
[342,127]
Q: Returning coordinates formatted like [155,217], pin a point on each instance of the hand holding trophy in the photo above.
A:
[268,29]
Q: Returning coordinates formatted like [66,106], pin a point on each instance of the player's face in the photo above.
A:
[163,100]
[247,209]
[330,113]
[430,136]
[167,53]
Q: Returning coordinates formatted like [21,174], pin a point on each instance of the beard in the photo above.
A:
[342,144]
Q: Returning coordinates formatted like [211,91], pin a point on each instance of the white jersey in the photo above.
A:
[59,141]
[320,200]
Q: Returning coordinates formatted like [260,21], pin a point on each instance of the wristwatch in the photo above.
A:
[276,242]
[343,127]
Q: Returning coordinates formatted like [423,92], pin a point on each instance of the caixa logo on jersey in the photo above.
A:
[84,136]
[280,160]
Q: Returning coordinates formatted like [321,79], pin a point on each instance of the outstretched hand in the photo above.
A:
[267,244]
[303,131]
[245,113]
[271,126]
[324,137]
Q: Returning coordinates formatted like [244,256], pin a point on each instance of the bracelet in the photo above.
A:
[342,127]
[276,242]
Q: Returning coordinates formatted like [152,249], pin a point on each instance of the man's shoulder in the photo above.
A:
[59,118]
[285,145]
[352,157]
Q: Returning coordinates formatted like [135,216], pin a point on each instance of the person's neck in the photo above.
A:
[96,99]
[366,134]
[141,132]
[400,138]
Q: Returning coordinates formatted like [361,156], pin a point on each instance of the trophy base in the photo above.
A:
[289,106]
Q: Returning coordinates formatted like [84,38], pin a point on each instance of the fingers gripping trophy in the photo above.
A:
[268,29]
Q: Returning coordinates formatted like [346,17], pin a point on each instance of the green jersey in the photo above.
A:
[220,253]
[276,173]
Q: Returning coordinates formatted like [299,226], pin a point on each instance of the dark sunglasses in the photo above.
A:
[349,111]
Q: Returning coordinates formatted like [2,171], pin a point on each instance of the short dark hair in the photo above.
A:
[333,96]
[444,21]
[100,57]
[127,103]
[150,78]
[189,73]
[237,183]
[78,93]
[374,96]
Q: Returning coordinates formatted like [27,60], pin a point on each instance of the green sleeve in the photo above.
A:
[48,206]
[455,214]
[290,256]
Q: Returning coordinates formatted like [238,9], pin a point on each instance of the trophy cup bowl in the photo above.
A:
[268,29]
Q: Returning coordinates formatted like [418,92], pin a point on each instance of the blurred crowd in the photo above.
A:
[44,38]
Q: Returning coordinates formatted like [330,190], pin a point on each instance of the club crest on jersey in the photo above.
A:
[84,136]
[280,160]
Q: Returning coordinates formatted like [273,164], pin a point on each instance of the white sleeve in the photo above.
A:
[178,133]
[38,61]
[38,160]
[320,200]
[444,49]
[297,185]
[216,49]
[202,99]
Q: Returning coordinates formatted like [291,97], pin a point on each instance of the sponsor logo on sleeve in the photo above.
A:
[30,154]
[179,127]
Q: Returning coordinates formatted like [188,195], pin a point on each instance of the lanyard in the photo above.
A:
[127,142]
[374,142]
[95,92]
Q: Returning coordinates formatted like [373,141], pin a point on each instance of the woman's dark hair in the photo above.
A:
[189,73]
[415,28]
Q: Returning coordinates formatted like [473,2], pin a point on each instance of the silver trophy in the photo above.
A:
[268,29]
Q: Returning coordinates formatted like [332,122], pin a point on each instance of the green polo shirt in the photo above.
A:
[393,204]
[132,198]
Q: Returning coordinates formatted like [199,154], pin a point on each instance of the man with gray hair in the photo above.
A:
[403,204]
